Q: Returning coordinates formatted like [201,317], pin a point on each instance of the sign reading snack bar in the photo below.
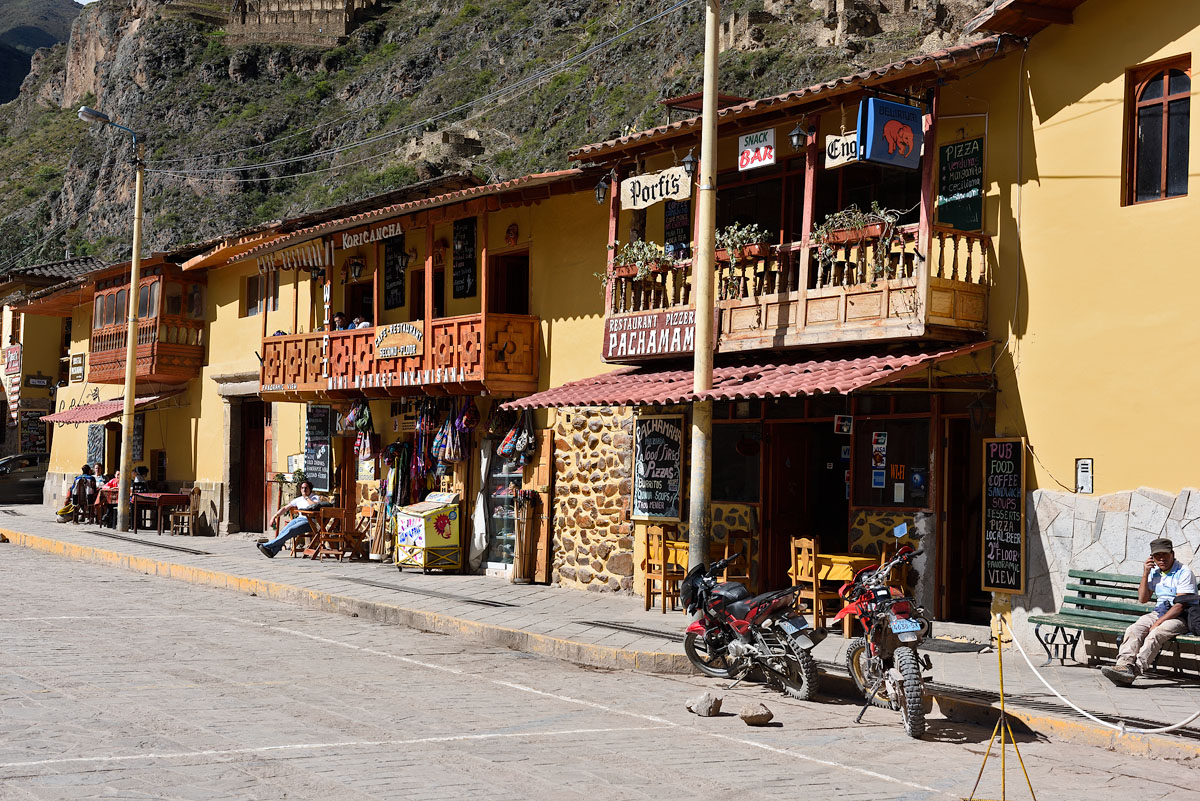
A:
[651,334]
[756,149]
[398,339]
[657,468]
[1004,515]
[642,191]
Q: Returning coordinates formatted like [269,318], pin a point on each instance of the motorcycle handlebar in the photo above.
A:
[721,564]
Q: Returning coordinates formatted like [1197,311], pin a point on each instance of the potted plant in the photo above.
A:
[852,226]
[736,242]
[639,259]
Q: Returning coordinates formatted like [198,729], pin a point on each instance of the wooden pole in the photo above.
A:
[483,266]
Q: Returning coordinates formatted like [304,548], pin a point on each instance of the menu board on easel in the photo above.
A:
[393,272]
[1004,515]
[464,258]
[318,447]
[657,468]
[33,432]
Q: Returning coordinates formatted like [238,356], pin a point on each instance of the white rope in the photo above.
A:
[1120,728]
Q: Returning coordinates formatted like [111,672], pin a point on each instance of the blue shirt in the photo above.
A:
[1165,586]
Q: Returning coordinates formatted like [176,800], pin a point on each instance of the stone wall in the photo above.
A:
[593,543]
[322,23]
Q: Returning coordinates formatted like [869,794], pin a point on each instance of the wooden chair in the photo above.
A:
[184,522]
[663,569]
[737,541]
[334,533]
[805,571]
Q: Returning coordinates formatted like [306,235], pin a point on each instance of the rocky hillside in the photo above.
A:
[25,26]
[385,101]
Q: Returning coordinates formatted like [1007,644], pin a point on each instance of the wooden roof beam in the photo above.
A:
[1040,13]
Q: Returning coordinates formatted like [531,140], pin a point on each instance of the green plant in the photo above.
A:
[735,236]
[642,254]
[854,219]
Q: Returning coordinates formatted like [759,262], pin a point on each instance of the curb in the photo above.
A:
[954,707]
[489,634]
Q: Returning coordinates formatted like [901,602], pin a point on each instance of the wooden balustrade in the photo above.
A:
[169,350]
[960,255]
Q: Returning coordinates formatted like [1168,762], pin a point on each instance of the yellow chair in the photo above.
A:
[666,566]
[805,572]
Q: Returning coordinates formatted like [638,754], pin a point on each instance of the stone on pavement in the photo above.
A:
[756,715]
[706,705]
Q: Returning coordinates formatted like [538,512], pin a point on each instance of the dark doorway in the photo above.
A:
[508,284]
[360,301]
[960,598]
[112,448]
[253,469]
[416,306]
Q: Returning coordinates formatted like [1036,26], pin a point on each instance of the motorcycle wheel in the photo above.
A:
[912,706]
[708,663]
[802,676]
[857,656]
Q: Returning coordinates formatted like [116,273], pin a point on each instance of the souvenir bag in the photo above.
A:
[524,440]
[529,440]
[362,420]
[441,437]
[469,417]
[507,448]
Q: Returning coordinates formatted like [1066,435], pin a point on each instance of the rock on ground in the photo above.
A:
[756,715]
[706,706]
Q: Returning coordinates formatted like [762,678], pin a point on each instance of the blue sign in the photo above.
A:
[890,133]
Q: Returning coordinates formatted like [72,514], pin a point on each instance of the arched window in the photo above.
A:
[1159,132]
[143,301]
[98,313]
[122,305]
[110,309]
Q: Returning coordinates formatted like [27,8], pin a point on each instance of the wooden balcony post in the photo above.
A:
[812,154]
[375,282]
[614,213]
[427,358]
[483,264]
[928,175]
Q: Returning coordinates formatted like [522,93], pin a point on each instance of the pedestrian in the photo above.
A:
[305,499]
[1165,578]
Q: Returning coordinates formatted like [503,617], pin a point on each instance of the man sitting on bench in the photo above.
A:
[1165,578]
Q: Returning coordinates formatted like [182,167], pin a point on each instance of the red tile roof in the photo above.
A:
[105,410]
[780,376]
[951,58]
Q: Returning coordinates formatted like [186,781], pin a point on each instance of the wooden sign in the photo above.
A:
[318,447]
[394,268]
[399,339]
[95,443]
[33,433]
[38,381]
[841,150]
[657,468]
[651,334]
[643,191]
[1004,515]
[464,258]
[77,367]
[960,185]
[756,149]
[12,360]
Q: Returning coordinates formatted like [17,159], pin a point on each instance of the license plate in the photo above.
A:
[901,626]
[793,625]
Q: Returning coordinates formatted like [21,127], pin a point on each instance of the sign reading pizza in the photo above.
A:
[398,339]
[649,335]
[890,133]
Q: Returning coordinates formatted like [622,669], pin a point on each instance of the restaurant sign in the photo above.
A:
[398,339]
[756,149]
[890,133]
[374,233]
[12,360]
[651,334]
[642,191]
[841,150]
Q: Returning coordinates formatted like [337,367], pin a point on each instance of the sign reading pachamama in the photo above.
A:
[1004,515]
[657,468]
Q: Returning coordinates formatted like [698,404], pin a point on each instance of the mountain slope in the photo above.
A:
[25,26]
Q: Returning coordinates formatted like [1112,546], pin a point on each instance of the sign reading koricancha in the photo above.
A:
[399,339]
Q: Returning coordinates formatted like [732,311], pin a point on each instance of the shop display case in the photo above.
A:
[504,482]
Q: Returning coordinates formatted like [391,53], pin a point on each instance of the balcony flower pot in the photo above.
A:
[624,270]
[844,236]
[660,267]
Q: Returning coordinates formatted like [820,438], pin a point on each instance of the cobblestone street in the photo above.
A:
[116,685]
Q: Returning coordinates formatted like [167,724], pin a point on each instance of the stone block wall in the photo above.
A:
[592,542]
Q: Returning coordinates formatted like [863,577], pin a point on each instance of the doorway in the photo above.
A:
[256,426]
[960,597]
[360,301]
[508,284]
[416,307]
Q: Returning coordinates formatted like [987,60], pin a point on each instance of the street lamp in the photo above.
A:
[90,115]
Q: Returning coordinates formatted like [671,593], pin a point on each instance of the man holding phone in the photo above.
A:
[1166,578]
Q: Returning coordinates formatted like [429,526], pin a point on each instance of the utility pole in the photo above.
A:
[703,270]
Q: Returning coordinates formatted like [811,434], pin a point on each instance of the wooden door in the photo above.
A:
[253,474]
[508,284]
[541,481]
[787,501]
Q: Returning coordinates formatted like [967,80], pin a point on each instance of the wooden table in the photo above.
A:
[106,497]
[160,501]
[841,566]
[333,533]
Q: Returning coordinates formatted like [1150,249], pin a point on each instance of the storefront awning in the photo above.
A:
[781,376]
[105,410]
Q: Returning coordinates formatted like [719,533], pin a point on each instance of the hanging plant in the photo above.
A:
[742,242]
[852,226]
[638,259]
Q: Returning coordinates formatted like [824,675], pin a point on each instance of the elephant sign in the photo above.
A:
[890,133]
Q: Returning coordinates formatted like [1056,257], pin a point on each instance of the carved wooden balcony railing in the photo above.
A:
[496,352]
[790,298]
[170,350]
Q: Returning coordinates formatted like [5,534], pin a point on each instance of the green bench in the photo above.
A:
[1101,603]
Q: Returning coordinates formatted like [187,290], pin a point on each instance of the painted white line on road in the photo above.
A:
[264,749]
[593,705]
[94,617]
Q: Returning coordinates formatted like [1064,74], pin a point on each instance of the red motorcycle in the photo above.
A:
[884,664]
[733,633]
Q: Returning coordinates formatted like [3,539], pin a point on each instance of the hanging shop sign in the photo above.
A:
[399,339]
[12,360]
[960,185]
[890,133]
[318,447]
[651,334]
[464,258]
[77,367]
[657,468]
[841,149]
[642,191]
[756,150]
[369,235]
[1004,515]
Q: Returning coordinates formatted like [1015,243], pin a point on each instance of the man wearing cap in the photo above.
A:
[1165,578]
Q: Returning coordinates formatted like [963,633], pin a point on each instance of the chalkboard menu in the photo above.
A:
[394,267]
[464,258]
[138,451]
[95,443]
[960,185]
[1004,515]
[657,468]
[33,432]
[318,447]
[677,225]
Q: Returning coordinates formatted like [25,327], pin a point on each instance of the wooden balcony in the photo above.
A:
[788,298]
[497,353]
[170,350]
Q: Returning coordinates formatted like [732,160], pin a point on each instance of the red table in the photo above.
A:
[160,501]
[106,497]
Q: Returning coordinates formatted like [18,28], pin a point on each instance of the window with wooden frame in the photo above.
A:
[1157,130]
[262,294]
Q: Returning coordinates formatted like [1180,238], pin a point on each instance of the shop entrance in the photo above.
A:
[806,493]
[959,543]
[256,427]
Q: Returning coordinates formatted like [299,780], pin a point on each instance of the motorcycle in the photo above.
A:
[733,633]
[884,664]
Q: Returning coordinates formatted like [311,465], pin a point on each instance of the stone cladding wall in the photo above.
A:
[593,455]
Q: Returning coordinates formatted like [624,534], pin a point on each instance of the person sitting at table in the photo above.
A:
[83,492]
[306,499]
[141,478]
[101,476]
[340,323]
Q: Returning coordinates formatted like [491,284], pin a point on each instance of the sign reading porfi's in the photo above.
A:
[650,335]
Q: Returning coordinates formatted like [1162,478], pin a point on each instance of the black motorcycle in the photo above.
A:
[734,634]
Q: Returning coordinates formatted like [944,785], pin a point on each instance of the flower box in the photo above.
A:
[845,236]
[661,267]
[624,270]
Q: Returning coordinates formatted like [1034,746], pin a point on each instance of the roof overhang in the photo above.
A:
[58,301]
[106,410]
[1023,17]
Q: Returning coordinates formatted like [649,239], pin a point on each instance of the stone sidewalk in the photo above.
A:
[602,629]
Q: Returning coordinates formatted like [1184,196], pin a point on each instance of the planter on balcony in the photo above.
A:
[845,236]
[755,250]
[624,270]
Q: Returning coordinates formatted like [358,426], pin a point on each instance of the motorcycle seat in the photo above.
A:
[741,609]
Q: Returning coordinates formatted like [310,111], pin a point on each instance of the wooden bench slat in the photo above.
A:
[1096,614]
[1114,592]
[1072,621]
[1113,578]
[1133,609]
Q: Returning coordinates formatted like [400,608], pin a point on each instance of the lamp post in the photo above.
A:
[700,485]
[125,472]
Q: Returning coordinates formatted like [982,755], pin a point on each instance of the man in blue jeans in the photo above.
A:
[299,525]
